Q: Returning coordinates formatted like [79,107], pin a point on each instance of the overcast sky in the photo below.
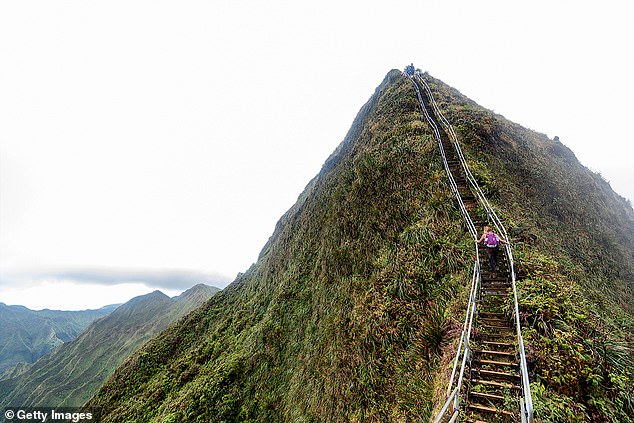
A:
[154,144]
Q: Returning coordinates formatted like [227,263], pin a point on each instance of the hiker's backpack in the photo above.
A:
[492,240]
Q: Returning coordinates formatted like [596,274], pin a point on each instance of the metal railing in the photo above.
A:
[463,352]
[452,182]
[453,395]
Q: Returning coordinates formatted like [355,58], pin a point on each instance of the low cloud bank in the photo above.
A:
[172,279]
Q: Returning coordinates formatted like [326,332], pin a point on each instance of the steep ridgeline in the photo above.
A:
[354,308]
[344,314]
[26,335]
[73,373]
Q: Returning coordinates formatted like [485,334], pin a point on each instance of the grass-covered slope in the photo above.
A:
[574,243]
[342,316]
[26,334]
[353,309]
[72,374]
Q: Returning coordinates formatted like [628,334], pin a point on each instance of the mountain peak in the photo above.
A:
[352,310]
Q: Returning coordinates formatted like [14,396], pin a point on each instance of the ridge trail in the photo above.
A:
[495,387]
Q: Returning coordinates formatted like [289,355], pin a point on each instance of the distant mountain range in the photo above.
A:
[72,373]
[26,335]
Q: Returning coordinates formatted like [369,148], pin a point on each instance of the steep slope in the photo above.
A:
[353,308]
[574,246]
[342,315]
[26,334]
[72,374]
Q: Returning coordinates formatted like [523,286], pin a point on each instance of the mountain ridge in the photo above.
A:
[71,374]
[29,334]
[353,310]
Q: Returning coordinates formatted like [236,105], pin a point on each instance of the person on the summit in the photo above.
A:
[492,242]
[409,69]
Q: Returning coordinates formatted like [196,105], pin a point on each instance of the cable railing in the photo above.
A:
[526,403]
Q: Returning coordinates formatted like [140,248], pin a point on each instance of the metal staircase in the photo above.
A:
[489,380]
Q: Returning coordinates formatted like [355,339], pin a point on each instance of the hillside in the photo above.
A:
[28,334]
[73,373]
[353,309]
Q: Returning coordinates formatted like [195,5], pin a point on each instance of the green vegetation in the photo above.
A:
[344,316]
[353,310]
[73,373]
[583,357]
[574,244]
[28,335]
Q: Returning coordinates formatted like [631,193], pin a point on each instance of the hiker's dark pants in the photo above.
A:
[493,257]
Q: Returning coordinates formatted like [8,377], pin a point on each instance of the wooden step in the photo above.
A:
[495,326]
[499,337]
[492,302]
[503,290]
[491,397]
[487,297]
[493,375]
[496,292]
[486,325]
[494,330]
[496,282]
[486,275]
[492,352]
[495,363]
[479,407]
[495,383]
[506,288]
[493,314]
[492,307]
[498,344]
[494,320]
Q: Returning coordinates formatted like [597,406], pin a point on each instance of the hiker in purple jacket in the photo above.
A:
[492,242]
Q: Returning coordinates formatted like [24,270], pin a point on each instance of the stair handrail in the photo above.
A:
[463,350]
[527,401]
[452,182]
